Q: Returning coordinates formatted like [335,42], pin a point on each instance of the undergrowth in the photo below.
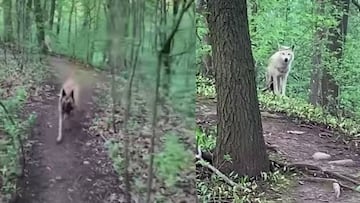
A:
[211,188]
[173,161]
[16,87]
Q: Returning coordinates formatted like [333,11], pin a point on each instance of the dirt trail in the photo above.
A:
[76,170]
[299,148]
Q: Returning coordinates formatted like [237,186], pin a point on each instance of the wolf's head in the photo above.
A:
[67,101]
[286,53]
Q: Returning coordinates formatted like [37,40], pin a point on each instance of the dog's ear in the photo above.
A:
[63,93]
[293,47]
[72,94]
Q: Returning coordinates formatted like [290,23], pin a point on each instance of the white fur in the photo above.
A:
[279,68]
[48,43]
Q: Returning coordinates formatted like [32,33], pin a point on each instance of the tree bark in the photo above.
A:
[207,66]
[40,25]
[45,11]
[316,73]
[58,22]
[28,20]
[330,89]
[52,13]
[239,129]
[8,23]
[70,17]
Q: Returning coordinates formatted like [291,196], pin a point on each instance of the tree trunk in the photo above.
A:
[28,21]
[52,13]
[98,6]
[70,16]
[39,25]
[316,74]
[58,23]
[330,89]
[8,24]
[45,13]
[19,18]
[207,66]
[254,11]
[239,129]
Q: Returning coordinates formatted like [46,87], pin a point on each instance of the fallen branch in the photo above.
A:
[216,171]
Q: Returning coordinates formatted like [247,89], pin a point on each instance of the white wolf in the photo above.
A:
[278,69]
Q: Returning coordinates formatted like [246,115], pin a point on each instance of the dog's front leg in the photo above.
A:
[61,119]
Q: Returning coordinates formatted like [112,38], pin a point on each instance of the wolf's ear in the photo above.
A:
[63,93]
[293,47]
[72,94]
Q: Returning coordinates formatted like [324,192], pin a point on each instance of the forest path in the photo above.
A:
[76,170]
[297,143]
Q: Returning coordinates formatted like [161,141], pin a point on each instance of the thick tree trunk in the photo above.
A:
[330,89]
[239,129]
[52,13]
[40,25]
[8,23]
[316,74]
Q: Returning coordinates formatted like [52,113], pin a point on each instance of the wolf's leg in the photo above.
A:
[276,84]
[281,83]
[284,84]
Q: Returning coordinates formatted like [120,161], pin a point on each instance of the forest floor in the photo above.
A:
[296,143]
[76,170]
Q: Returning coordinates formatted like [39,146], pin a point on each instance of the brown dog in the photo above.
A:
[68,102]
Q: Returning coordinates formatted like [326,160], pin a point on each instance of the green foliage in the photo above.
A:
[17,85]
[205,86]
[9,143]
[114,147]
[215,190]
[206,141]
[173,159]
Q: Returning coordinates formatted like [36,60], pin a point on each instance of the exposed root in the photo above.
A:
[315,170]
[331,180]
